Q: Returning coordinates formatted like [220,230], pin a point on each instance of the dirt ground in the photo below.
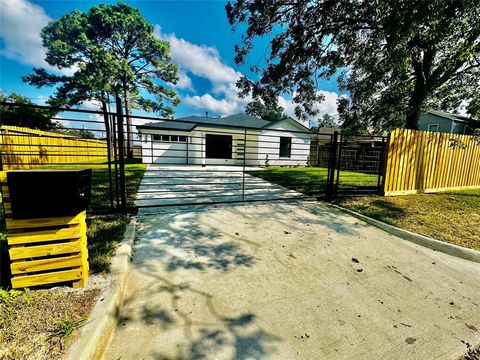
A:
[42,323]
[290,281]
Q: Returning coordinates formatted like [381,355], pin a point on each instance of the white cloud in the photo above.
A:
[218,106]
[201,60]
[184,81]
[327,106]
[20,24]
[204,61]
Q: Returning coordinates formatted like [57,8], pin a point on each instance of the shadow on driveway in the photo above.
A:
[294,280]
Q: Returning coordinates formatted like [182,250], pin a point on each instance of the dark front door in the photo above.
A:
[218,146]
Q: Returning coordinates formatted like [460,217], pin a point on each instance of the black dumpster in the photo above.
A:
[48,193]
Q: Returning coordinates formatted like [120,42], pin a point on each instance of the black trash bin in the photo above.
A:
[48,193]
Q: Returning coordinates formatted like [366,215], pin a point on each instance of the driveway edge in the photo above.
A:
[95,336]
[431,243]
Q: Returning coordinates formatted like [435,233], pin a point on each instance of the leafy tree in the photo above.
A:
[114,51]
[396,58]
[258,109]
[24,116]
[80,133]
[327,121]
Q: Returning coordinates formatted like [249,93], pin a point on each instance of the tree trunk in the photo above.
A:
[413,114]
[128,112]
[415,104]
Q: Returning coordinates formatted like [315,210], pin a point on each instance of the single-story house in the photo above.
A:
[440,121]
[230,140]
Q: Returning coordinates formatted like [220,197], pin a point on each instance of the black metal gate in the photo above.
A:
[360,165]
[143,162]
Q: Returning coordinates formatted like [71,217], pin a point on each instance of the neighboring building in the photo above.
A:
[439,121]
[221,141]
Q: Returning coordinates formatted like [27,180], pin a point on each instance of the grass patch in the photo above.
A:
[104,233]
[452,217]
[313,180]
[39,324]
[64,328]
[101,189]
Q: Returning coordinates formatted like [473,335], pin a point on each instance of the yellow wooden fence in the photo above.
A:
[423,161]
[22,148]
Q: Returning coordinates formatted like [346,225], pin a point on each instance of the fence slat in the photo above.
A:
[23,148]
[422,161]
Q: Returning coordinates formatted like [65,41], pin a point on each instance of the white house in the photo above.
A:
[233,140]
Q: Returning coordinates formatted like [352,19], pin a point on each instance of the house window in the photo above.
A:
[169,138]
[285,147]
[433,127]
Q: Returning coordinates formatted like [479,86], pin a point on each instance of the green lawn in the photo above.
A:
[313,180]
[452,217]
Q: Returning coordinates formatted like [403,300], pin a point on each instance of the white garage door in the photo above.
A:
[170,153]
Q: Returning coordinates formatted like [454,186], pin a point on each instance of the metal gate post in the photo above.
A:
[244,158]
[338,165]
[331,166]
[121,155]
[383,167]
[109,151]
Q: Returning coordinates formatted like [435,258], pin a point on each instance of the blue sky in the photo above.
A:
[201,44]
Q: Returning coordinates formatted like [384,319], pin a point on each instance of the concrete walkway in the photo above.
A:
[186,184]
[290,281]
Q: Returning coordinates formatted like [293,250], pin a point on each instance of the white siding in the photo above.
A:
[259,144]
[269,144]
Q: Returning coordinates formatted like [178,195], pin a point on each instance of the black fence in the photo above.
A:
[143,162]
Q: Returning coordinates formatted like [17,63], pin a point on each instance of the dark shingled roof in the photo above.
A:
[168,125]
[189,123]
[240,120]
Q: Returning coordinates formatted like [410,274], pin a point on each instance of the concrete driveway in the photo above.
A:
[295,280]
[184,184]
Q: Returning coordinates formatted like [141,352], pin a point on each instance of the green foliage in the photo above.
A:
[64,328]
[396,58]
[80,133]
[270,113]
[326,121]
[8,296]
[113,51]
[476,135]
[25,117]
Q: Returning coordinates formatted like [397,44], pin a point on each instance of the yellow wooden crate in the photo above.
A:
[46,251]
